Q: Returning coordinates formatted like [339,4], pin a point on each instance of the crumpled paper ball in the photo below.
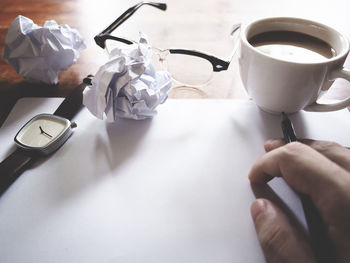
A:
[128,86]
[38,53]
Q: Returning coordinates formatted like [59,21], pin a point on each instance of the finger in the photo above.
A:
[280,241]
[332,151]
[303,168]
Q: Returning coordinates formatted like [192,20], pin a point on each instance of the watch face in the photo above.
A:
[44,132]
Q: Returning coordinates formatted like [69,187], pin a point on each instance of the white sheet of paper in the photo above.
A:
[169,189]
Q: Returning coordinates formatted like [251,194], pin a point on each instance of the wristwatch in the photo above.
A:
[44,133]
[41,136]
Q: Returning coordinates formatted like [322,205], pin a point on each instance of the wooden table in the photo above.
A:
[201,25]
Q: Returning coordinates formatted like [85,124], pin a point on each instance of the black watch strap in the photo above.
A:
[12,167]
[72,103]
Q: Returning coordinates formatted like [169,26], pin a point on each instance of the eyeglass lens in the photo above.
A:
[184,69]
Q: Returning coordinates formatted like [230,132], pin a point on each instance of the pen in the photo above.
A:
[323,248]
[288,129]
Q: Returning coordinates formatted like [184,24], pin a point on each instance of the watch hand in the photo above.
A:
[43,132]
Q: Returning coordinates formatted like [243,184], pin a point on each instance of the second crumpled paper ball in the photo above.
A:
[38,53]
[128,86]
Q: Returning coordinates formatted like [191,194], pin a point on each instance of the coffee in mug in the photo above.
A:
[292,46]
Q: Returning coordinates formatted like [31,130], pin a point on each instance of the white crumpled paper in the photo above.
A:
[38,53]
[128,86]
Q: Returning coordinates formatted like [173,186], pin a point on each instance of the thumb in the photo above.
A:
[280,241]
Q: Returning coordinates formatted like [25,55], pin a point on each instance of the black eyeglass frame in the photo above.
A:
[100,39]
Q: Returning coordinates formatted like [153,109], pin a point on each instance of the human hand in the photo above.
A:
[318,169]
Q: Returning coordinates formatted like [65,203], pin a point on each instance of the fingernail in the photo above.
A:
[272,144]
[268,145]
[250,176]
[259,206]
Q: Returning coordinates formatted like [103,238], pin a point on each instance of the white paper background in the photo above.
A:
[170,189]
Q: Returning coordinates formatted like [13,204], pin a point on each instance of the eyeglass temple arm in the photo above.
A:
[235,28]
[121,19]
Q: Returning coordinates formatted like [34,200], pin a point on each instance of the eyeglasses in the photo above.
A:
[187,67]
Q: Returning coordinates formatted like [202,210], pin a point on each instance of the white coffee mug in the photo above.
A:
[278,85]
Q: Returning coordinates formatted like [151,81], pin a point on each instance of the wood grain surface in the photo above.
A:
[201,25]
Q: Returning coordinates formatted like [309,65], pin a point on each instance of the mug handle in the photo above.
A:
[344,74]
